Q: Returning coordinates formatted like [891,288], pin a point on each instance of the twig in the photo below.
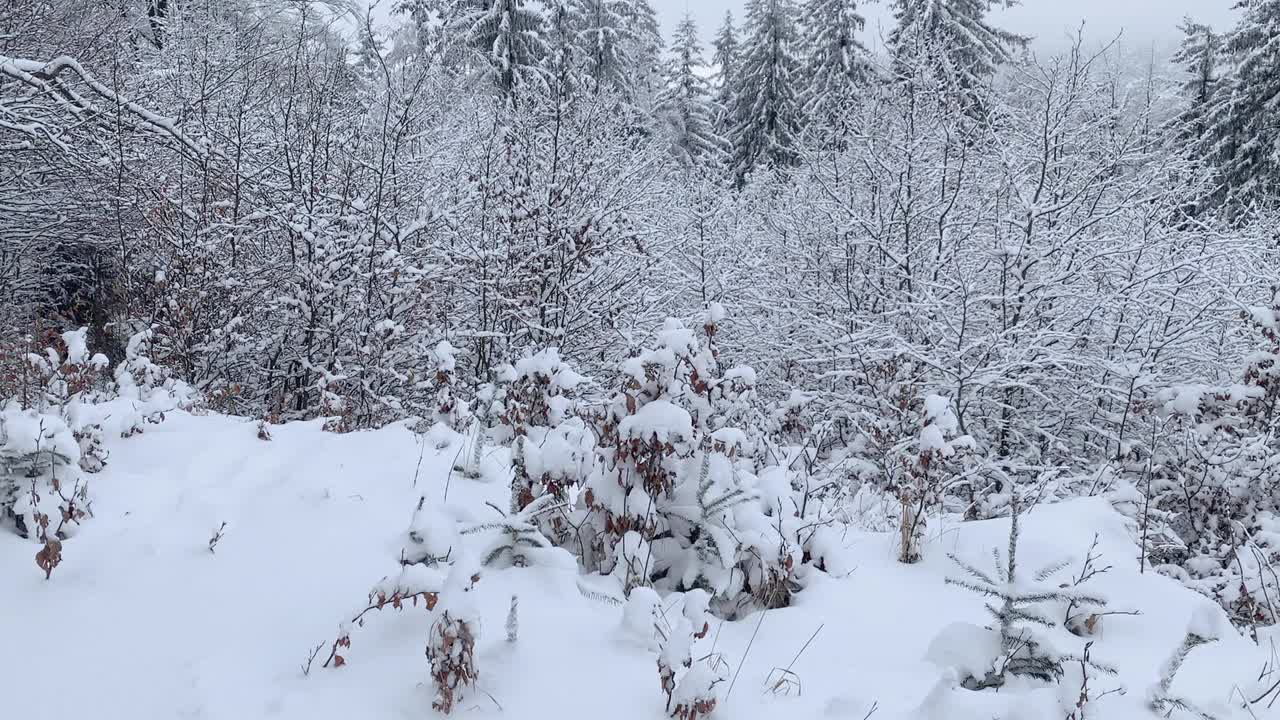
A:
[805,646]
[306,667]
[422,449]
[217,535]
[746,652]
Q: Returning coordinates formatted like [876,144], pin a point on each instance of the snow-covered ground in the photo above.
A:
[142,620]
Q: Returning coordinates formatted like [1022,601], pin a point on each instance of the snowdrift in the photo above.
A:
[144,620]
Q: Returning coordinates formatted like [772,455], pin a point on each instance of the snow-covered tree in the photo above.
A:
[766,114]
[1022,605]
[685,104]
[951,43]
[645,51]
[1200,57]
[836,63]
[507,34]
[725,58]
[1242,122]
[607,40]
[566,76]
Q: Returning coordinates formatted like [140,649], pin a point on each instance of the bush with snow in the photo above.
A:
[552,448]
[675,483]
[1206,488]
[929,465]
[446,406]
[52,431]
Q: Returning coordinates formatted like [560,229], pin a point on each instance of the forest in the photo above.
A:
[698,307]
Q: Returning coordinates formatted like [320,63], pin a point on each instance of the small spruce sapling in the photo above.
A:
[519,533]
[1022,614]
[1202,630]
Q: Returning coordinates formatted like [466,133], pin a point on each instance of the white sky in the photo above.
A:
[1143,21]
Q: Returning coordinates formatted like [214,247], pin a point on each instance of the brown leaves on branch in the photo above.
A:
[397,601]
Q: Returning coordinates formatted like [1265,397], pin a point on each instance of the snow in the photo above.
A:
[77,346]
[661,420]
[966,648]
[142,620]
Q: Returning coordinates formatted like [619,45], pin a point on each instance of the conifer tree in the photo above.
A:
[644,48]
[1199,56]
[766,107]
[1244,122]
[508,35]
[952,43]
[685,104]
[564,71]
[835,60]
[725,59]
[604,41]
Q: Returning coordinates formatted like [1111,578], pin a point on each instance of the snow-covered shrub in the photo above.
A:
[50,439]
[552,448]
[138,377]
[437,573]
[432,536]
[43,490]
[640,618]
[1207,485]
[446,406]
[689,684]
[151,388]
[1023,641]
[52,431]
[929,463]
[451,650]
[518,536]
[451,641]
[490,405]
[674,502]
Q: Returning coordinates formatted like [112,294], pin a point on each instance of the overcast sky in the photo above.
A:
[1143,21]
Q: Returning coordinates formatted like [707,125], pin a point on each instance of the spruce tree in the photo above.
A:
[1199,55]
[564,71]
[1244,120]
[604,42]
[766,107]
[644,50]
[508,35]
[725,59]
[685,105]
[835,60]
[951,43]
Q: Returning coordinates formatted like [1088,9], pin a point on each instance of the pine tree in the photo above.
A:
[835,60]
[766,107]
[725,59]
[1244,122]
[644,48]
[565,75]
[508,35]
[1199,55]
[685,104]
[604,41]
[951,43]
